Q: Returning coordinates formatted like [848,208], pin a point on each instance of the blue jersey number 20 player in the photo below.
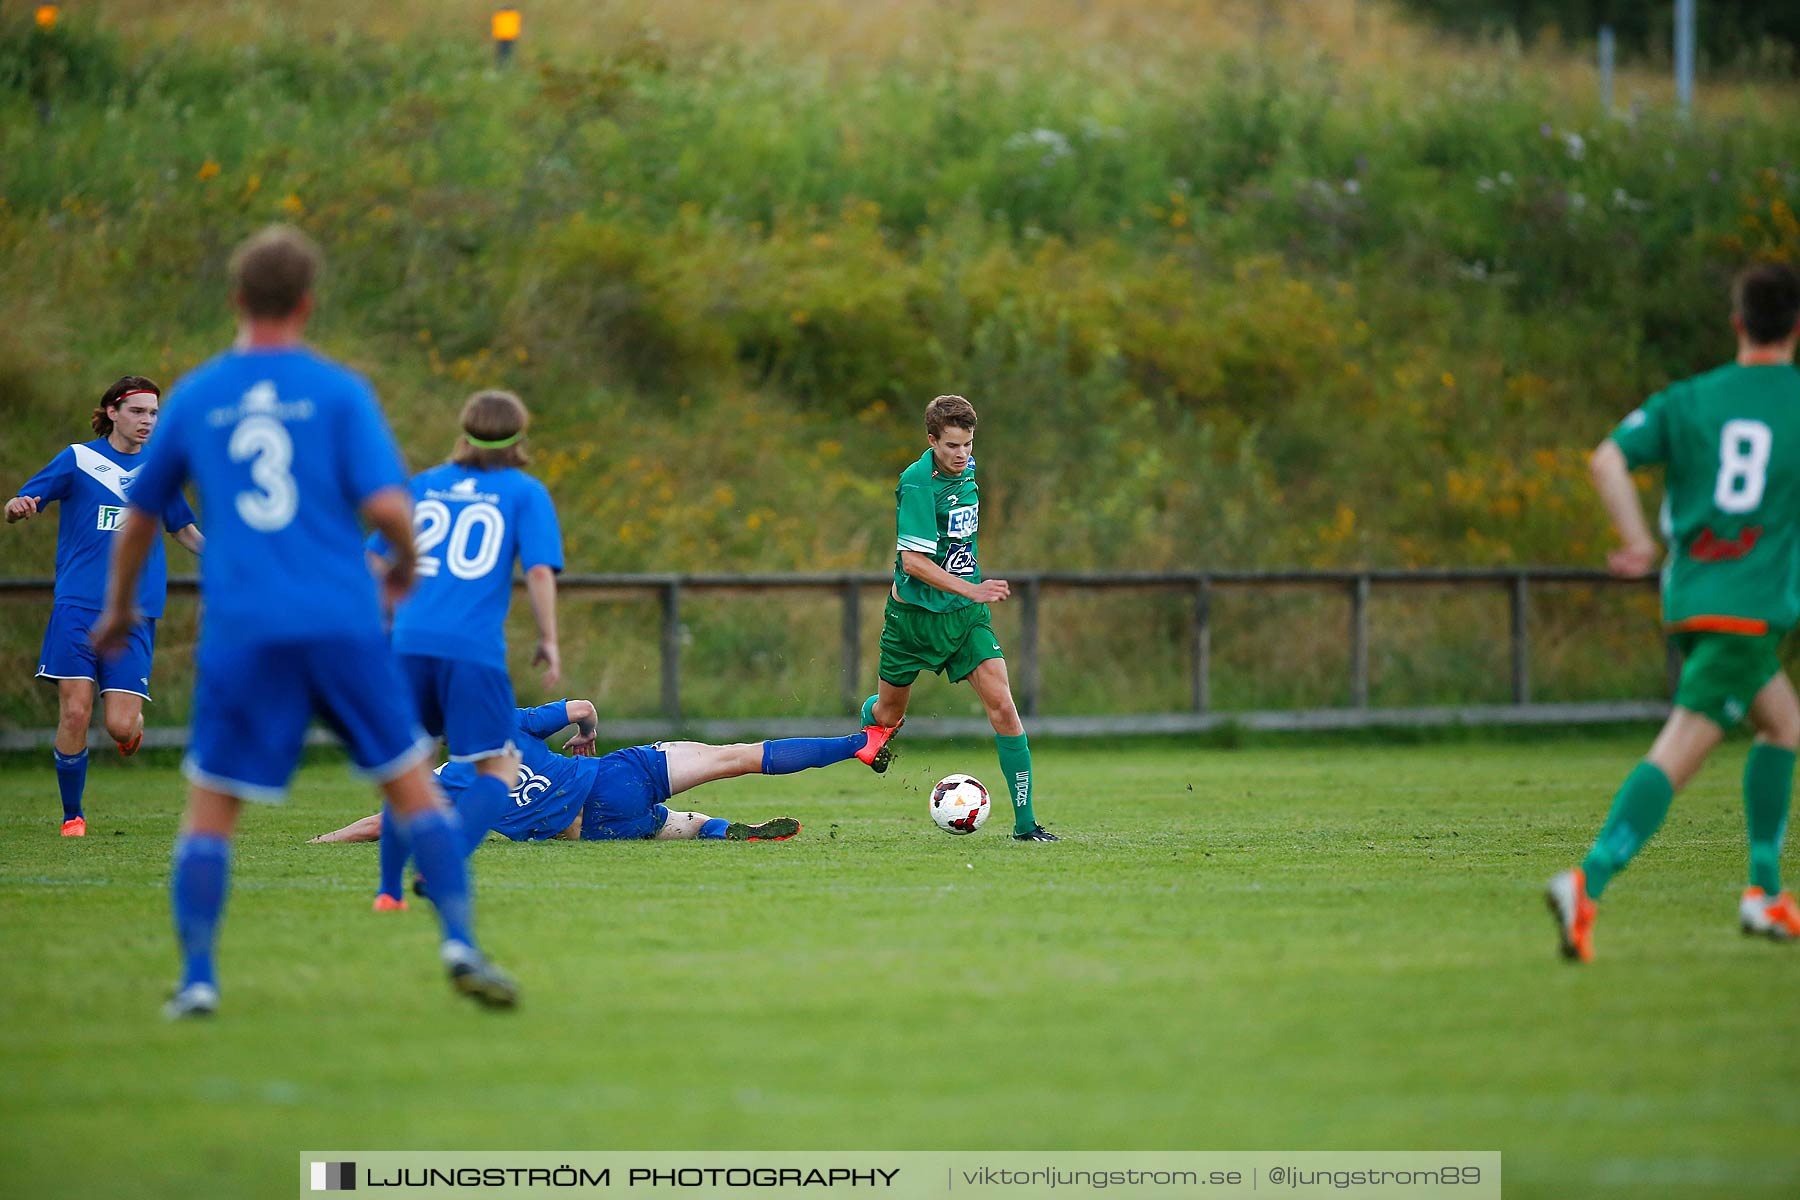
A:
[286,450]
[473,517]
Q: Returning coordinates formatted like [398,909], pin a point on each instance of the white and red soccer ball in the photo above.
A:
[959,804]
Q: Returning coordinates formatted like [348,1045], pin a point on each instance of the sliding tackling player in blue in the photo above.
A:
[473,517]
[286,449]
[623,796]
[92,480]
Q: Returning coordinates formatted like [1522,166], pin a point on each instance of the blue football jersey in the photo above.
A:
[283,447]
[469,527]
[552,787]
[93,482]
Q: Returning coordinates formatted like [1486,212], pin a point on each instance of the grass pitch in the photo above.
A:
[1289,947]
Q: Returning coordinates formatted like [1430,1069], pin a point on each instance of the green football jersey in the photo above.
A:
[937,516]
[1730,443]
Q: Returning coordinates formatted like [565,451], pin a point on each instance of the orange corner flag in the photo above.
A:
[46,16]
[506,24]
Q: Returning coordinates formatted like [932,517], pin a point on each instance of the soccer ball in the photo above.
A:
[959,804]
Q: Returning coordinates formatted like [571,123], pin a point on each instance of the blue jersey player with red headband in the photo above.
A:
[91,480]
[288,451]
[473,518]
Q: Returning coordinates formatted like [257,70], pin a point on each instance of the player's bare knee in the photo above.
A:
[681,825]
[748,758]
[1004,717]
[1784,733]
[122,728]
[75,713]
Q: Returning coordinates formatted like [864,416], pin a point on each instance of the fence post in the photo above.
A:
[671,650]
[852,644]
[1521,664]
[1359,642]
[1684,56]
[1028,649]
[1608,58]
[1200,647]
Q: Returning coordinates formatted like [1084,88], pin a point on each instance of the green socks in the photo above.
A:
[1637,813]
[1768,778]
[868,711]
[1015,765]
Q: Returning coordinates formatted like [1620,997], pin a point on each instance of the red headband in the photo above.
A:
[136,392]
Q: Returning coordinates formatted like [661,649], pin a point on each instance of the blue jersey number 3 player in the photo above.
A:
[287,450]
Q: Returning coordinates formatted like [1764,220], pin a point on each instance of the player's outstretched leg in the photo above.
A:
[689,826]
[199,879]
[784,756]
[437,848]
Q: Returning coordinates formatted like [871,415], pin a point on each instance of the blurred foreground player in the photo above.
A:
[1729,442]
[286,449]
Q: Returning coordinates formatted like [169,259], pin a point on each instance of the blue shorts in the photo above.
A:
[468,705]
[252,704]
[67,654]
[626,800]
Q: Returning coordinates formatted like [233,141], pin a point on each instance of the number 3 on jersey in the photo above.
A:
[265,440]
[432,524]
[1744,449]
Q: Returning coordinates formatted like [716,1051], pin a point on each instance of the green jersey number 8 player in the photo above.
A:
[1729,444]
[937,611]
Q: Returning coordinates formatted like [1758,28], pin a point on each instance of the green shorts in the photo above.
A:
[950,643]
[1722,672]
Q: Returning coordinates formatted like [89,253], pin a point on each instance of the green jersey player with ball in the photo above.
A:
[937,611]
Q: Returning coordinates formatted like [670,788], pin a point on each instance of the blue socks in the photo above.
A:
[480,807]
[197,883]
[437,848]
[788,755]
[714,829]
[71,780]
[394,849]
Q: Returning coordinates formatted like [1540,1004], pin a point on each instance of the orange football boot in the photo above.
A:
[1574,913]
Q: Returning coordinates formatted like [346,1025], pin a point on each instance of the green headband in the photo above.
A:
[499,444]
